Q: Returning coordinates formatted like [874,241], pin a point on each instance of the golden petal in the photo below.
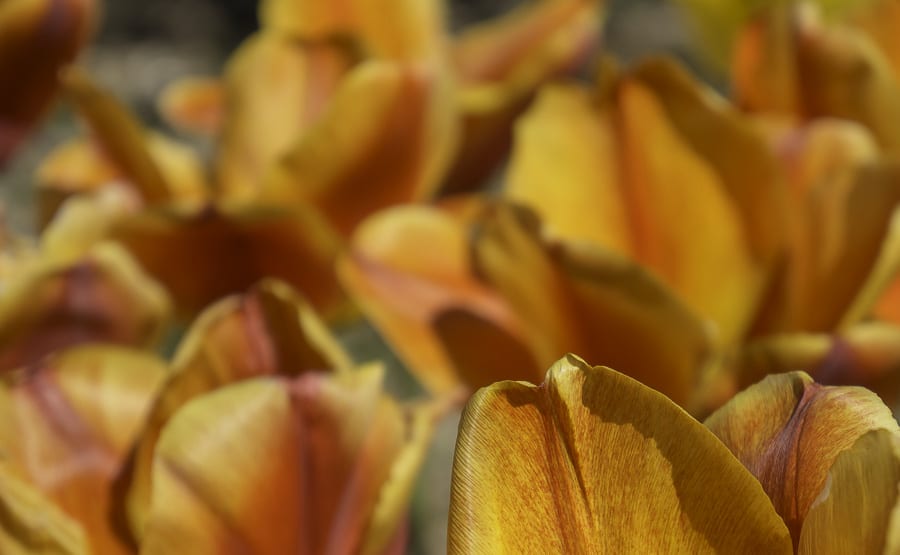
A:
[888,306]
[386,157]
[30,524]
[578,298]
[292,467]
[203,255]
[68,424]
[102,296]
[308,20]
[408,266]
[275,88]
[788,430]
[37,39]
[859,508]
[194,104]
[270,330]
[594,462]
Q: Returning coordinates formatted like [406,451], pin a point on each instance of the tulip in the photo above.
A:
[268,331]
[651,160]
[37,38]
[593,461]
[56,296]
[68,424]
[313,464]
[469,314]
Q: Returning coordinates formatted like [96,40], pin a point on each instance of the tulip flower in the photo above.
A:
[57,295]
[67,425]
[268,331]
[500,306]
[313,464]
[652,161]
[37,38]
[593,461]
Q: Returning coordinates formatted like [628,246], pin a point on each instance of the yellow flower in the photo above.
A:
[37,38]
[592,461]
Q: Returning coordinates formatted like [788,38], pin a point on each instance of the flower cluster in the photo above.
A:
[712,280]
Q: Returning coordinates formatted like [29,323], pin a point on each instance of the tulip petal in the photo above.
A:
[194,104]
[308,19]
[100,297]
[31,525]
[294,467]
[577,298]
[384,158]
[201,256]
[68,424]
[788,430]
[50,32]
[888,307]
[859,509]
[594,462]
[268,331]
[407,267]
[275,88]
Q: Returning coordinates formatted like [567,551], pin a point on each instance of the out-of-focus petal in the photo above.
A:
[579,298]
[407,268]
[30,524]
[100,297]
[879,19]
[275,88]
[309,20]
[194,105]
[594,462]
[201,256]
[270,330]
[500,64]
[278,466]
[67,425]
[859,509]
[657,161]
[866,355]
[384,158]
[788,431]
[888,307]
[37,38]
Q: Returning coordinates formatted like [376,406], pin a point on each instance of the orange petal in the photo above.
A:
[392,154]
[578,298]
[275,88]
[408,269]
[594,462]
[308,20]
[100,297]
[37,38]
[888,306]
[194,104]
[858,509]
[268,331]
[788,431]
[201,256]
[67,425]
[319,456]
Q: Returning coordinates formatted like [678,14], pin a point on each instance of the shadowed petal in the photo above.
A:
[788,431]
[594,462]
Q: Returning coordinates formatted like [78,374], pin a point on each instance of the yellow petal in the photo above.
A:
[578,298]
[407,268]
[100,297]
[279,466]
[390,155]
[268,331]
[878,19]
[31,525]
[194,104]
[308,19]
[37,39]
[68,424]
[500,64]
[275,88]
[203,255]
[859,509]
[788,431]
[594,462]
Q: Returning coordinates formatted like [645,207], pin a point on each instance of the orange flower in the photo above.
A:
[592,461]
